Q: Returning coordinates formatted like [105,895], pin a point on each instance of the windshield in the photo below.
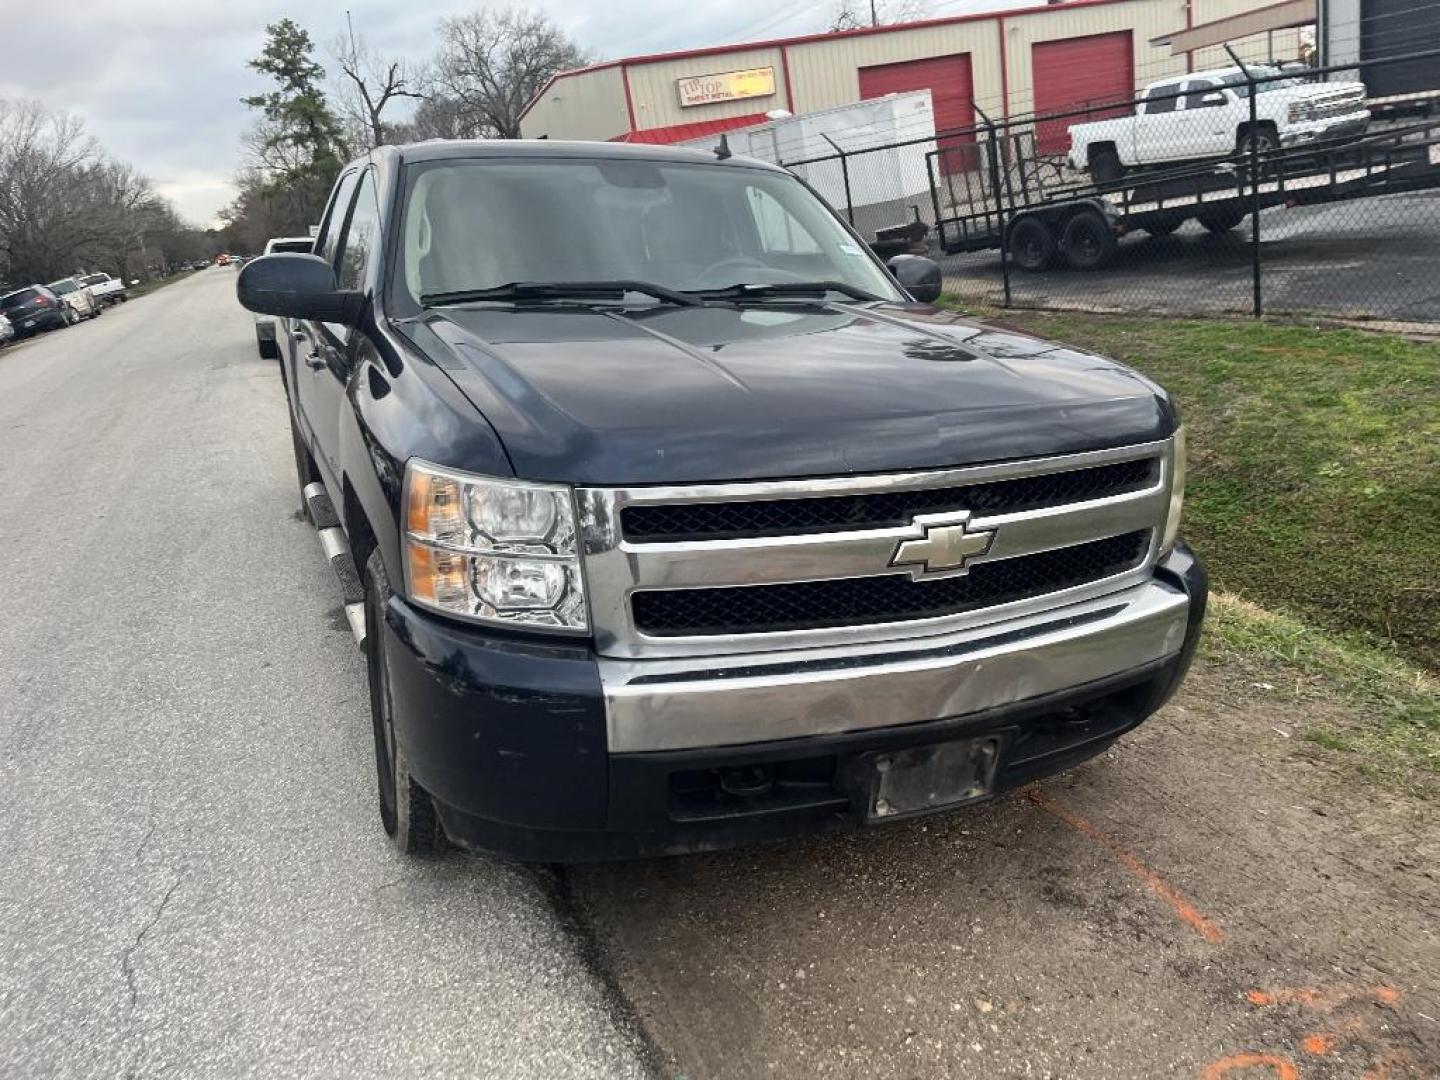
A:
[66,285]
[1236,81]
[478,225]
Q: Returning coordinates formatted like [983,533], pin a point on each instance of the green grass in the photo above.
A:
[1388,720]
[1314,481]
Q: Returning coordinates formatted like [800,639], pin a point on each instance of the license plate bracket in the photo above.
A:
[916,780]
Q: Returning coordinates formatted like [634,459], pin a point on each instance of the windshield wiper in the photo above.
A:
[785,288]
[559,290]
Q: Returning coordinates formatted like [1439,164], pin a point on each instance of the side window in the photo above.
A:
[360,236]
[1159,99]
[1196,89]
[329,237]
[779,232]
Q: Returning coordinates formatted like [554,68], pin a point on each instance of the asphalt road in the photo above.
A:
[1366,259]
[194,881]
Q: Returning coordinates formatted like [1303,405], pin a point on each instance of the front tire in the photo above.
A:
[406,810]
[1262,139]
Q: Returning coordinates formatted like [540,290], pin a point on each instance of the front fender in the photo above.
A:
[399,406]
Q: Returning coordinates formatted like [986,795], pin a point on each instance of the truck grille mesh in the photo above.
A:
[653,524]
[810,605]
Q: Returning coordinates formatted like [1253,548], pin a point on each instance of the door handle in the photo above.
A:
[314,361]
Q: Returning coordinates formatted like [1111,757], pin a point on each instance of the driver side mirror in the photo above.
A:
[919,276]
[296,286]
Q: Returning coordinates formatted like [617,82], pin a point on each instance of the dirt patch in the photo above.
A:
[1208,899]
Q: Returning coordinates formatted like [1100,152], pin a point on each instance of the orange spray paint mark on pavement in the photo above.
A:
[1324,998]
[1319,1044]
[1281,1068]
[1184,910]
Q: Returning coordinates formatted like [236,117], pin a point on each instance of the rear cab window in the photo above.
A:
[96,279]
[1161,99]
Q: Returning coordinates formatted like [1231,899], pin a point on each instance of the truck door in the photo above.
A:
[1159,127]
[329,359]
[1209,118]
[304,348]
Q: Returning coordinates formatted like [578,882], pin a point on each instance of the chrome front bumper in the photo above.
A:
[713,701]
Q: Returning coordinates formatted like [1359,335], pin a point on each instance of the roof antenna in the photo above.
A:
[723,150]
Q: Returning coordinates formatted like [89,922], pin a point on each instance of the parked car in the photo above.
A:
[1210,118]
[7,330]
[668,518]
[81,300]
[36,308]
[269,332]
[106,288]
[222,259]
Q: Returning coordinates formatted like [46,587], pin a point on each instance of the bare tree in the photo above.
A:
[370,84]
[853,14]
[492,63]
[65,205]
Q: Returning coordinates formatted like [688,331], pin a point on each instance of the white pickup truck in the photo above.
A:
[1206,114]
[106,287]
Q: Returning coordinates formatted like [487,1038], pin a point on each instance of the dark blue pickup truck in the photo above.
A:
[669,517]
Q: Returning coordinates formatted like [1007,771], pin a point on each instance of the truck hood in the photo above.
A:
[664,394]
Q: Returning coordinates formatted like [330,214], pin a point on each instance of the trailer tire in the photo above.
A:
[1164,225]
[1088,242]
[1032,244]
[1220,221]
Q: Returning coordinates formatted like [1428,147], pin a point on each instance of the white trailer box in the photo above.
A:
[883,183]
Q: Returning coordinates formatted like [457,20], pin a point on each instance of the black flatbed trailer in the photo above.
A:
[1047,218]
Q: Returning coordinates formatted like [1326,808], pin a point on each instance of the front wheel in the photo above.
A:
[1260,140]
[70,317]
[406,811]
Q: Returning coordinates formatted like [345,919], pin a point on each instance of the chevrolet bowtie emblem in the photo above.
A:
[942,544]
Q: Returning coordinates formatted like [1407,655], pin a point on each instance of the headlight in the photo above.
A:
[496,551]
[1301,111]
[1177,490]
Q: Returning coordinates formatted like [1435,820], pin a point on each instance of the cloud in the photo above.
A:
[159,82]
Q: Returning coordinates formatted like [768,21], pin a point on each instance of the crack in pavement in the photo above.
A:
[126,958]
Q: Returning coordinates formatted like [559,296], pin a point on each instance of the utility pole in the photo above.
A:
[874,19]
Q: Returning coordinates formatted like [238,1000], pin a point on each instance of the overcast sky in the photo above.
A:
[159,82]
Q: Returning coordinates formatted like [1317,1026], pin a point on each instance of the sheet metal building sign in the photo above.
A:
[726,86]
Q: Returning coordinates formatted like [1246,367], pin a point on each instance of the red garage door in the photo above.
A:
[951,94]
[1076,73]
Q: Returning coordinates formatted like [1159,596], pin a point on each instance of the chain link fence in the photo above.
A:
[1253,189]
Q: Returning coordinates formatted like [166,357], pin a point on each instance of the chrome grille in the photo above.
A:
[718,569]
[785,517]
[810,605]
[1340,105]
